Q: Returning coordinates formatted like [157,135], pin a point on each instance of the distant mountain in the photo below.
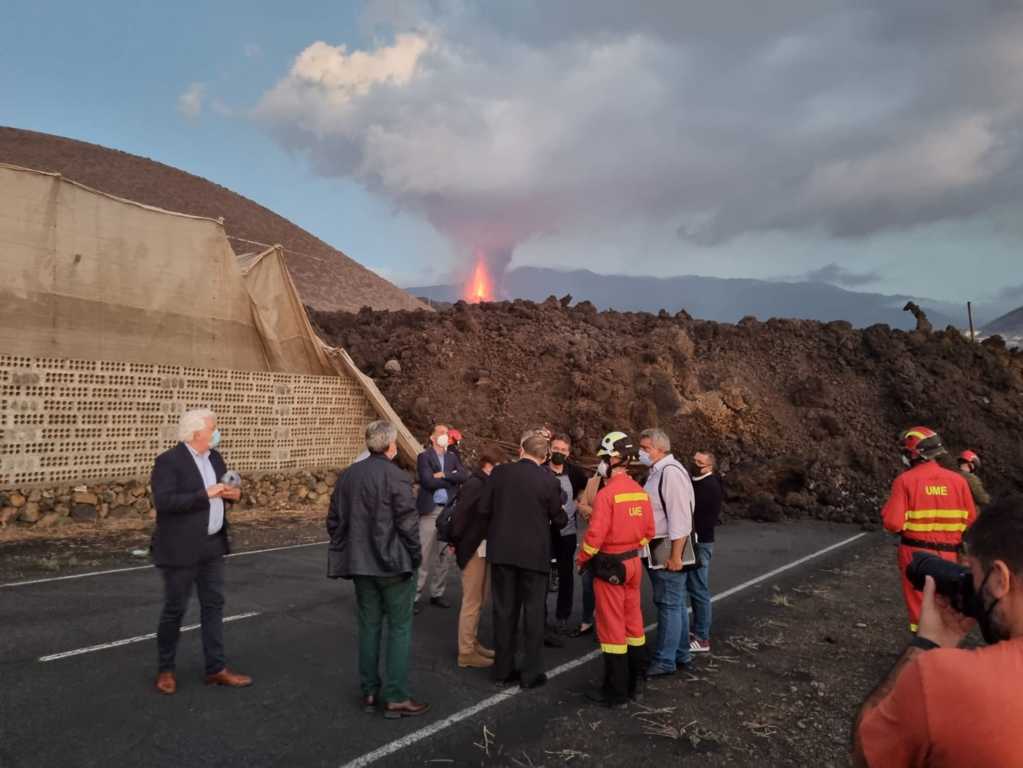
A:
[712,298]
[1009,325]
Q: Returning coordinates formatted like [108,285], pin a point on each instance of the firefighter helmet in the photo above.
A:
[454,436]
[921,444]
[618,444]
[971,458]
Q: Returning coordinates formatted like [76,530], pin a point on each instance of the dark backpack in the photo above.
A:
[446,521]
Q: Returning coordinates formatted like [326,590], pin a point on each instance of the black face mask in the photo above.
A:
[985,614]
[558,458]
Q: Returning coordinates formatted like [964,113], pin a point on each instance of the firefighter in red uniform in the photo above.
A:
[929,506]
[621,525]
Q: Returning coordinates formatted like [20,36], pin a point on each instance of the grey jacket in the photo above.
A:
[372,522]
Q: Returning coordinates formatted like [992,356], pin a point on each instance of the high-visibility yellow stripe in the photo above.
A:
[636,642]
[921,435]
[955,514]
[636,496]
[935,527]
[643,542]
[913,628]
[589,549]
[614,648]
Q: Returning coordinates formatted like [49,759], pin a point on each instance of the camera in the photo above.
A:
[952,580]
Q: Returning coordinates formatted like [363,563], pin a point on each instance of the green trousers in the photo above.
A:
[378,597]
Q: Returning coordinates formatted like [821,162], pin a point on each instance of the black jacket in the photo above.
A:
[182,507]
[520,504]
[470,527]
[427,463]
[372,522]
[708,493]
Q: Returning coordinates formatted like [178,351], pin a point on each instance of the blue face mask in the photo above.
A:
[215,438]
[644,459]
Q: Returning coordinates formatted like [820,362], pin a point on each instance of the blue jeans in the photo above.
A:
[698,587]
[672,647]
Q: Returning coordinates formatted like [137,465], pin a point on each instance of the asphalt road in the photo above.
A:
[98,708]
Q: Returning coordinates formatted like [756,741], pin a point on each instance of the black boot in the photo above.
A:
[637,672]
[618,681]
[598,695]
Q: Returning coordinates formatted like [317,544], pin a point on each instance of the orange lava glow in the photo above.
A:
[480,286]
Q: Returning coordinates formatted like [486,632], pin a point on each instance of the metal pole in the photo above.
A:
[969,311]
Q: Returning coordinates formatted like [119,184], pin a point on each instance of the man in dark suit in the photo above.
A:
[521,503]
[190,542]
[440,473]
[374,541]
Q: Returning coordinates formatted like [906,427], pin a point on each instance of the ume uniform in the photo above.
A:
[622,521]
[930,507]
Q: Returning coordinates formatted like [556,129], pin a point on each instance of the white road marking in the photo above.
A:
[138,639]
[423,733]
[147,567]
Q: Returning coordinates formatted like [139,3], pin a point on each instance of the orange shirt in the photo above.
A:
[930,503]
[951,708]
[622,519]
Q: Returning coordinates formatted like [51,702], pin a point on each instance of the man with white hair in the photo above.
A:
[671,494]
[190,542]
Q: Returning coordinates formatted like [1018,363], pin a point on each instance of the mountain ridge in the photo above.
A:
[712,298]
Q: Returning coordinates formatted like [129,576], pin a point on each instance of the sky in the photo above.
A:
[873,144]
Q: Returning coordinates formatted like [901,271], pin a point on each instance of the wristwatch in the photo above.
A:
[923,643]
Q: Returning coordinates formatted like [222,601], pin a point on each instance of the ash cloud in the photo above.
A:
[505,122]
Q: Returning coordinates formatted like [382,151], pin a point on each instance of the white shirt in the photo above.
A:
[677,521]
[209,476]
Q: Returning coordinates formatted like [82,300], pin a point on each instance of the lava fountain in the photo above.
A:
[480,287]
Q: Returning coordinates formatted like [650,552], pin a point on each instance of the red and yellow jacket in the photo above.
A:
[930,503]
[622,519]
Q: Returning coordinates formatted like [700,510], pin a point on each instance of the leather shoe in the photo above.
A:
[512,679]
[551,640]
[440,602]
[229,678]
[369,703]
[165,683]
[655,672]
[408,708]
[486,653]
[536,682]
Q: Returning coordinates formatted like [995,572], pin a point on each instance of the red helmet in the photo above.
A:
[454,435]
[921,443]
[971,458]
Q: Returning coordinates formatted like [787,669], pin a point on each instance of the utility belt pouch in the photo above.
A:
[611,568]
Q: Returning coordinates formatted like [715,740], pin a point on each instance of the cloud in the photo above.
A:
[1011,292]
[190,101]
[501,123]
[833,273]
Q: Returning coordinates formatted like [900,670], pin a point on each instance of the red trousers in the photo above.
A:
[913,598]
[619,615]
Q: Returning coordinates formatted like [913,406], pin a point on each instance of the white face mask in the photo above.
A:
[906,461]
[442,441]
[602,468]
[644,458]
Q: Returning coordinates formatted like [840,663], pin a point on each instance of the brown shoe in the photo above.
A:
[486,653]
[229,678]
[408,708]
[474,661]
[165,683]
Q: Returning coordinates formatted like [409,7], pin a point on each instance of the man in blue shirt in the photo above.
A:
[440,473]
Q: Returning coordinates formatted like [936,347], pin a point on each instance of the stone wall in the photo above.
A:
[47,507]
[65,423]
